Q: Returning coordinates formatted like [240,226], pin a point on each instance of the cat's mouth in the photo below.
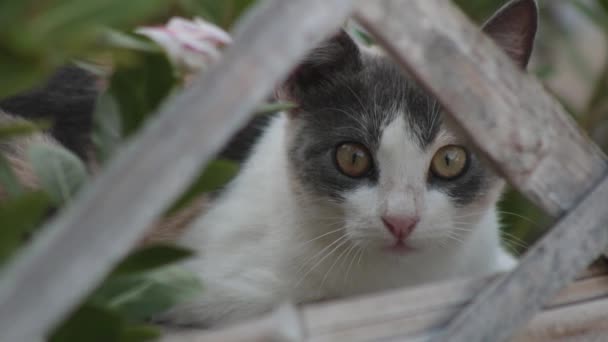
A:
[400,247]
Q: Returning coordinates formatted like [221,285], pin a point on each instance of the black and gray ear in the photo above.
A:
[336,56]
[513,27]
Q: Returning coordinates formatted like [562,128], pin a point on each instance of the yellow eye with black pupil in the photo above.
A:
[353,159]
[449,162]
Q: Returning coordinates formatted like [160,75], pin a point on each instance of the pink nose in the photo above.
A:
[400,226]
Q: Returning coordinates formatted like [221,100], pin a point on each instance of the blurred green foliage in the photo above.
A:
[142,285]
[223,13]
[37,36]
[20,216]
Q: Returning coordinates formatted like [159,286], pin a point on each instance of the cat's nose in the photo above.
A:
[400,226]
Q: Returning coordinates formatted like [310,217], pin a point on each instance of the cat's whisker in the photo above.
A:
[469,215]
[358,98]
[511,247]
[360,123]
[514,243]
[333,265]
[352,260]
[363,250]
[512,236]
[342,242]
[321,252]
[321,236]
[500,212]
[503,212]
[455,238]
[461,229]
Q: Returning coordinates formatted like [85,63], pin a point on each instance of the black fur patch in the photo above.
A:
[241,143]
[67,99]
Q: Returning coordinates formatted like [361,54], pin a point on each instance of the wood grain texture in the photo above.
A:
[418,314]
[282,325]
[524,132]
[79,247]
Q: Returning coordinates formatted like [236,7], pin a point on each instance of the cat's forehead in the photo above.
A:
[366,102]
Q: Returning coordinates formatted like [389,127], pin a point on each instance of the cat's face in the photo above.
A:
[375,149]
[381,152]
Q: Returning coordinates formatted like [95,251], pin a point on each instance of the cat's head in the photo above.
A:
[376,152]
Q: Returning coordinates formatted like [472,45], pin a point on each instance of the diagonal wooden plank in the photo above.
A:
[282,325]
[522,130]
[78,248]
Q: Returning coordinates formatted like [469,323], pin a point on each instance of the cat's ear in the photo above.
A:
[336,56]
[513,28]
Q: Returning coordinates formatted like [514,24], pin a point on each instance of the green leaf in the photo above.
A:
[544,71]
[10,12]
[19,72]
[20,216]
[604,4]
[75,23]
[223,13]
[478,10]
[19,128]
[140,333]
[143,295]
[106,134]
[118,39]
[359,33]
[269,108]
[150,257]
[140,88]
[38,36]
[90,323]
[8,180]
[60,172]
[215,175]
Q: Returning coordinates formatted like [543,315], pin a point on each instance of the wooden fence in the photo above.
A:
[526,134]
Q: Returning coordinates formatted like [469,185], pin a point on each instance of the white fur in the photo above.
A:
[262,244]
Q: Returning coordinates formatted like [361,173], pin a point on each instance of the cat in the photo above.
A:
[365,186]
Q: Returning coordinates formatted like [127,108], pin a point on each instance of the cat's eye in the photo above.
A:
[449,162]
[352,159]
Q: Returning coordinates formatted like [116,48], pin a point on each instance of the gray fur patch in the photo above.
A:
[356,106]
[353,97]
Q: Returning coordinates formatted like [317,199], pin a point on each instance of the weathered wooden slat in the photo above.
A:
[579,322]
[518,125]
[77,249]
[523,131]
[404,305]
[282,325]
[412,314]
[582,290]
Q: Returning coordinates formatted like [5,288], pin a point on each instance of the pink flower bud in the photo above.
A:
[190,44]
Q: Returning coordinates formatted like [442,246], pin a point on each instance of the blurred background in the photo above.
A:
[37,36]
